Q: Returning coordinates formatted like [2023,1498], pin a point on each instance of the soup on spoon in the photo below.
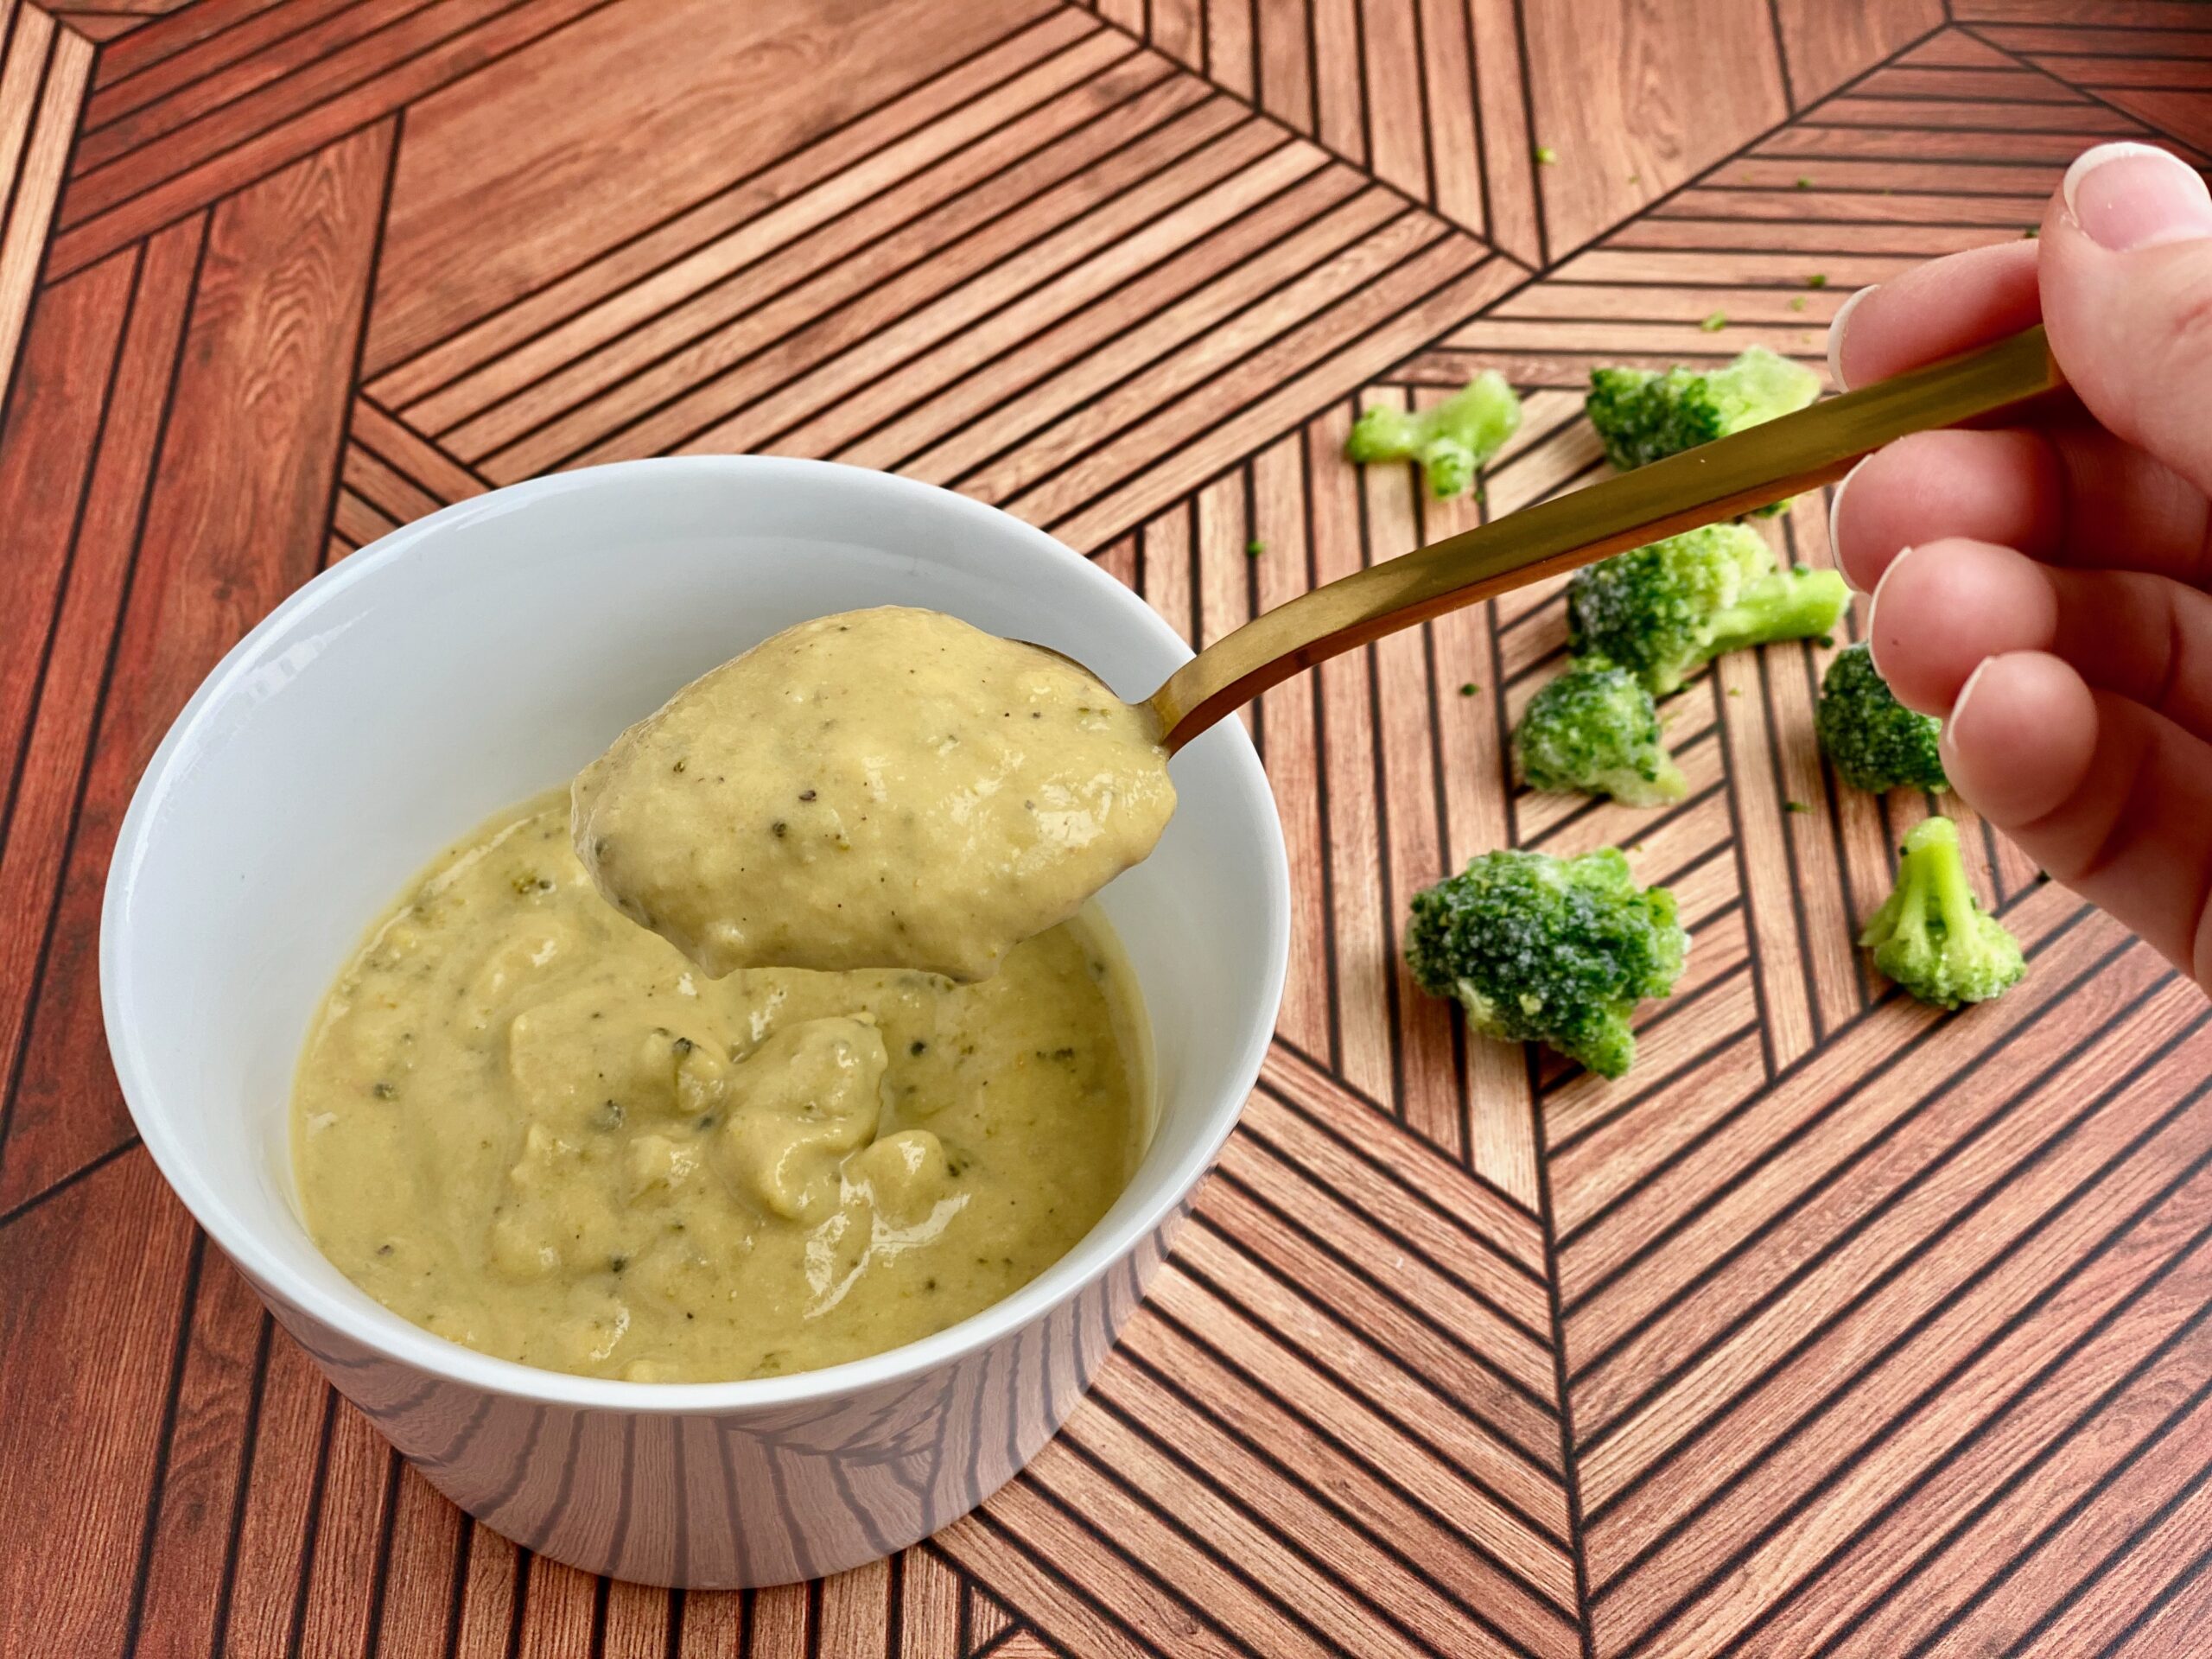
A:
[886,788]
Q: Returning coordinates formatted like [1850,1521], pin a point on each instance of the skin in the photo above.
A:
[2046,589]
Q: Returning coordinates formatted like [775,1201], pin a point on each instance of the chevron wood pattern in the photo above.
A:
[1838,1328]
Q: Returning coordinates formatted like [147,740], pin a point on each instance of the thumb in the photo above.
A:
[2126,274]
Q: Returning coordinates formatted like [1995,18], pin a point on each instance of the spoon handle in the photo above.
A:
[1714,481]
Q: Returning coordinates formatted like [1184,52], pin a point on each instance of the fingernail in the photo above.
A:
[1835,335]
[1874,604]
[1959,706]
[1836,542]
[2129,195]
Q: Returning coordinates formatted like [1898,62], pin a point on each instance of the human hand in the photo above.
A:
[2056,607]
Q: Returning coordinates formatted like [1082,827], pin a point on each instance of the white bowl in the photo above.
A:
[482,655]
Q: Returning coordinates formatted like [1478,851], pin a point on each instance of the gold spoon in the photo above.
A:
[1714,481]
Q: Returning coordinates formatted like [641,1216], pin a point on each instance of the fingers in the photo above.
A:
[2109,797]
[2127,290]
[1946,607]
[2076,496]
[2006,487]
[1935,310]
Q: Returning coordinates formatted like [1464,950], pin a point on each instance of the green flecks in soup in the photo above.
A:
[532,1126]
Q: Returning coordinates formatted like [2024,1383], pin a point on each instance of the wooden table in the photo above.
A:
[1839,1327]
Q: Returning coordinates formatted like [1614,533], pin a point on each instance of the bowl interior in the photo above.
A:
[486,652]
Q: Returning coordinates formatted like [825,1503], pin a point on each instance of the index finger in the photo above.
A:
[1934,311]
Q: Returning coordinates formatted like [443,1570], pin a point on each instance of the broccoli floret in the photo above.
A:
[1595,729]
[1876,742]
[1450,440]
[1642,417]
[1932,938]
[1556,951]
[1661,611]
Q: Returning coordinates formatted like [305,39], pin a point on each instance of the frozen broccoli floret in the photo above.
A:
[1876,742]
[1932,938]
[1450,440]
[1663,610]
[1643,417]
[1556,951]
[1595,729]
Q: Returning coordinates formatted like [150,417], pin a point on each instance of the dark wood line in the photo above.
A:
[369,80]
[736,184]
[1287,1542]
[1426,1200]
[1292,1227]
[1366,162]
[1969,25]
[361,339]
[1353,298]
[1657,825]
[211,34]
[1482,137]
[201,112]
[1824,192]
[1324,828]
[1178,158]
[1493,474]
[1733,157]
[1797,1131]
[755,302]
[2103,1484]
[219,1640]
[98,714]
[311,1534]
[1577,1522]
[2087,136]
[1854,158]
[889,190]
[1744,1248]
[165,1443]
[380,1578]
[598,1591]
[984,1521]
[518,1601]
[334,139]
[1223,1560]
[925,395]
[1428,129]
[1313,87]
[2165,1593]
[91,1167]
[13,185]
[457,1591]
[1317,1491]
[1782,56]
[1800,920]
[1497,1436]
[1529,162]
[1393,1015]
[421,437]
[50,635]
[1092,399]
[1654,1087]
[2089,92]
[1934,1390]
[1440,807]
[1974,1436]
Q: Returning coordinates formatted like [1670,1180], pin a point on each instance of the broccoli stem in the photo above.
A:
[1788,605]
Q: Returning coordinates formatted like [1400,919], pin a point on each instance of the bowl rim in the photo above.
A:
[392,1337]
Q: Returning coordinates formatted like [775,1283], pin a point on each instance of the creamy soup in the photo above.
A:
[884,788]
[534,1127]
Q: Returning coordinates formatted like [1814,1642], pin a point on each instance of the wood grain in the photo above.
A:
[1838,1327]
